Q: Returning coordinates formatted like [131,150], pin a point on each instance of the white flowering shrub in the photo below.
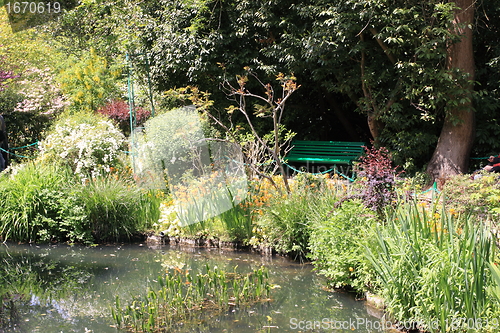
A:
[90,146]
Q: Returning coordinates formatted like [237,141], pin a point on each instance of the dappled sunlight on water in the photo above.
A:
[58,288]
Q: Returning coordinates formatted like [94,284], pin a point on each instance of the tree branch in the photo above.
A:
[383,46]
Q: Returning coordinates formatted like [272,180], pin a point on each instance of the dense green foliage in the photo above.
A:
[385,60]
[336,245]
[116,209]
[285,224]
[38,205]
[89,82]
[33,97]
[432,264]
[353,59]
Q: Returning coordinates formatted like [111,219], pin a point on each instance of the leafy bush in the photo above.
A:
[28,108]
[88,144]
[283,221]
[25,129]
[285,226]
[9,98]
[89,82]
[479,197]
[171,141]
[336,245]
[433,267]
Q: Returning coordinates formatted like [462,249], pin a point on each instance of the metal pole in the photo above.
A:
[130,90]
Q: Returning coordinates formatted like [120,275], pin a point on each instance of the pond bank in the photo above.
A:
[208,242]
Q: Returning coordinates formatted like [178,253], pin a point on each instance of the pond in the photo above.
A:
[60,288]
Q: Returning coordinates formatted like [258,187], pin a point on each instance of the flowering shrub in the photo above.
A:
[91,147]
[377,178]
[40,91]
[479,197]
[6,74]
[119,111]
[89,82]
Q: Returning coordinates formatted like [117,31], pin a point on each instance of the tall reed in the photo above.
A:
[433,266]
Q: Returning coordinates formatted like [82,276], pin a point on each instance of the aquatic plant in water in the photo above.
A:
[178,296]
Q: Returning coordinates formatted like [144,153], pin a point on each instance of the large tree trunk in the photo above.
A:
[451,156]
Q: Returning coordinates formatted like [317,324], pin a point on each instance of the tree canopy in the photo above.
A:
[391,71]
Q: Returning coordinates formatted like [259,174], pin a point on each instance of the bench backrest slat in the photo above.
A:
[339,152]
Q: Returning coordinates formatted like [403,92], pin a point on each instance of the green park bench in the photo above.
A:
[324,153]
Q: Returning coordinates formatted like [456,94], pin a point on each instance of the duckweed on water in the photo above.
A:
[178,296]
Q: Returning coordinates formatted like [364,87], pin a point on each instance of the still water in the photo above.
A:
[59,288]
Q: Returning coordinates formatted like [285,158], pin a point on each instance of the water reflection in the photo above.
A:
[70,289]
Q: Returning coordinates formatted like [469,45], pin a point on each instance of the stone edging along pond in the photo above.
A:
[207,242]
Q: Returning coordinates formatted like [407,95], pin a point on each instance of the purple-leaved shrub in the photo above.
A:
[118,110]
[377,177]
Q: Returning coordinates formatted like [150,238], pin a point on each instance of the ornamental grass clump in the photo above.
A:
[39,204]
[117,209]
[42,203]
